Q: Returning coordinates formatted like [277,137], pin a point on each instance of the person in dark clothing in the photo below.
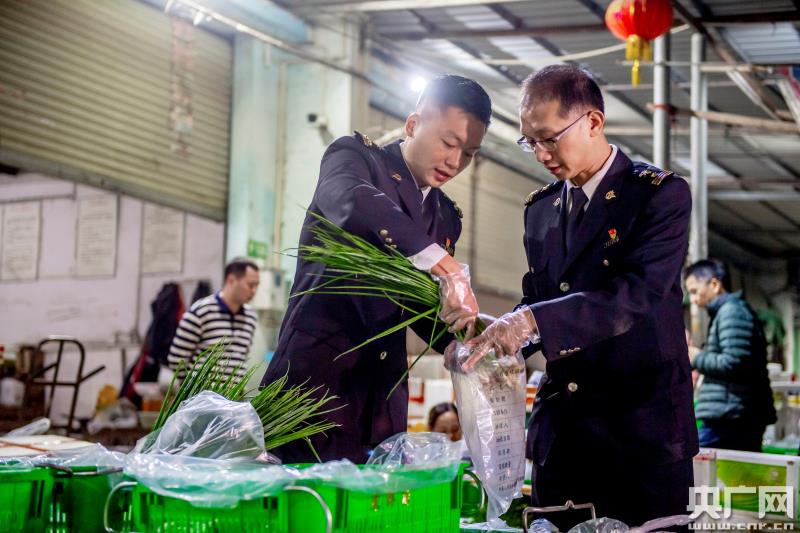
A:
[734,402]
[612,423]
[390,196]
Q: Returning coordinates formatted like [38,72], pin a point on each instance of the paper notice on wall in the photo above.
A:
[20,246]
[97,236]
[162,240]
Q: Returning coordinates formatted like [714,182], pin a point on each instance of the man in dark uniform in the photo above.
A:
[613,422]
[389,196]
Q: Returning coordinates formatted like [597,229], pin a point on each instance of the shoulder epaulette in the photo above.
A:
[540,193]
[452,202]
[364,139]
[654,174]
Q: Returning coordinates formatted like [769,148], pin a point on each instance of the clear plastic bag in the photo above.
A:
[88,454]
[208,426]
[491,407]
[660,523]
[423,449]
[208,482]
[600,525]
[609,525]
[403,462]
[542,525]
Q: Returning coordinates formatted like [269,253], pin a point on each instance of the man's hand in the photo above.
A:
[506,336]
[459,306]
[693,351]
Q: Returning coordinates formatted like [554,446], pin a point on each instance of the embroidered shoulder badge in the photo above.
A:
[538,192]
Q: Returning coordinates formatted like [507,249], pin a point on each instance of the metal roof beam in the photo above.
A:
[749,84]
[751,18]
[754,196]
[487,34]
[390,5]
[732,119]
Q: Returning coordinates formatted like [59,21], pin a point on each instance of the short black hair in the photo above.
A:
[438,410]
[708,269]
[451,90]
[238,267]
[572,86]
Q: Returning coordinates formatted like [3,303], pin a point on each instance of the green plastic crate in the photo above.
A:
[474,502]
[779,450]
[78,493]
[736,473]
[141,509]
[430,509]
[25,496]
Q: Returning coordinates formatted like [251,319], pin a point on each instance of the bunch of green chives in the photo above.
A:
[354,266]
[287,414]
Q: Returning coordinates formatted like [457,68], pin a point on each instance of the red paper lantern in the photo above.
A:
[638,22]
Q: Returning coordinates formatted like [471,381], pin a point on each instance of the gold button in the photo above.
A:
[383,355]
[562,352]
[605,262]
[572,387]
[393,246]
[388,240]
[564,286]
[383,233]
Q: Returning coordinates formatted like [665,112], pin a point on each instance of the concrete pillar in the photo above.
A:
[698,237]
[661,98]
[285,111]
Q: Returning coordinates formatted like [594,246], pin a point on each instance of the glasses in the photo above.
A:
[548,145]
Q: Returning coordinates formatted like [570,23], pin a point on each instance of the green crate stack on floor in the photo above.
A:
[25,498]
[137,508]
[432,508]
[78,497]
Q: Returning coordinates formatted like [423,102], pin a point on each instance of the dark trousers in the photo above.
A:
[619,488]
[731,435]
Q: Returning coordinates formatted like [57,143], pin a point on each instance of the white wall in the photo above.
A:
[104,313]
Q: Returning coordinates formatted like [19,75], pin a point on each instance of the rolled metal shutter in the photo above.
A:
[90,90]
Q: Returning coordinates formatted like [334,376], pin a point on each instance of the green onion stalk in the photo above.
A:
[356,267]
[287,413]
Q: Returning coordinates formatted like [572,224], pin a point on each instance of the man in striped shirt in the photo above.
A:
[223,316]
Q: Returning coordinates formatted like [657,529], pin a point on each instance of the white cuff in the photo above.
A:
[427,258]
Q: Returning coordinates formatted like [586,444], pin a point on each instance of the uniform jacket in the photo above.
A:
[610,317]
[370,192]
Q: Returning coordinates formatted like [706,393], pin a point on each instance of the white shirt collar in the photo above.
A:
[590,186]
[425,190]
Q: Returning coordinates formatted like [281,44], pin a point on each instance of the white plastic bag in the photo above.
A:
[209,426]
[405,461]
[208,482]
[491,408]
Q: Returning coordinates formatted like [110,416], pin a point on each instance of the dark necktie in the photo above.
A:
[575,215]
[427,211]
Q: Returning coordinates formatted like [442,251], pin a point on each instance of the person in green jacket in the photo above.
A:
[734,402]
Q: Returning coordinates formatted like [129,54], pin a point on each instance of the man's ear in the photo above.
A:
[411,124]
[596,122]
[716,285]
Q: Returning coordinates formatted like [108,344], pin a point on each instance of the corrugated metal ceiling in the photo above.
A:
[771,226]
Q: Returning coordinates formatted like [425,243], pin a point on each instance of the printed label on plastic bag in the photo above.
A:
[491,404]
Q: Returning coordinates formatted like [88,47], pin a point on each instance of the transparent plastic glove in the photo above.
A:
[506,335]
[451,357]
[451,352]
[459,306]
[487,319]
